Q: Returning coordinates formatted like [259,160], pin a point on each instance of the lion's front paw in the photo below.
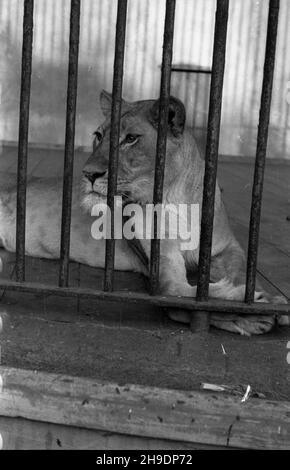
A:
[282,320]
[178,315]
[268,298]
[248,325]
[279,299]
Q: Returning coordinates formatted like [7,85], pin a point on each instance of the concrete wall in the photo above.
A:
[192,45]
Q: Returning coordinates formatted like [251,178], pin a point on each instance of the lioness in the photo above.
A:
[183,184]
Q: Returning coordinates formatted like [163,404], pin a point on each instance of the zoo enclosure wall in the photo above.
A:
[193,41]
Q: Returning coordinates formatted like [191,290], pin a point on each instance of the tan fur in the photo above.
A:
[183,184]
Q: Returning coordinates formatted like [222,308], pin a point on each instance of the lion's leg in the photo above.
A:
[228,272]
[173,281]
[218,289]
[172,274]
[172,270]
[231,264]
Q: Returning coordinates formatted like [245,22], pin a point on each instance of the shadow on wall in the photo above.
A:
[50,62]
[48,99]
[50,53]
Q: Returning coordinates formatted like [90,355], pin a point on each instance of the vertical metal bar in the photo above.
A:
[69,141]
[23,138]
[162,136]
[114,136]
[200,320]
[262,138]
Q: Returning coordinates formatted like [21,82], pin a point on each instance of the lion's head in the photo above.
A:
[137,150]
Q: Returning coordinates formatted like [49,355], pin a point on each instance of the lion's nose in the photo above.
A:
[93,176]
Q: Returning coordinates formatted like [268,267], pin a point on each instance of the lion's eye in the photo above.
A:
[130,138]
[98,135]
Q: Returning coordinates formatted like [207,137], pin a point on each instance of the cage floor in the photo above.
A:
[119,343]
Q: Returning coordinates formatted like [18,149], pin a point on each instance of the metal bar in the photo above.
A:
[161,138]
[23,137]
[200,321]
[69,141]
[214,306]
[189,70]
[114,137]
[262,139]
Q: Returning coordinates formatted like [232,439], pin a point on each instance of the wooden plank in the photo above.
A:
[200,418]
[51,163]
[46,271]
[8,157]
[215,306]
[272,263]
[8,160]
[46,162]
[236,179]
[23,434]
[274,260]
[246,160]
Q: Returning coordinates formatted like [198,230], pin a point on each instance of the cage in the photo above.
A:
[89,333]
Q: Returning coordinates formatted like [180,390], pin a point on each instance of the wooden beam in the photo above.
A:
[24,434]
[192,417]
[218,307]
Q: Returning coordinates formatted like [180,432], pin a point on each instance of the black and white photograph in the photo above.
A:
[144,228]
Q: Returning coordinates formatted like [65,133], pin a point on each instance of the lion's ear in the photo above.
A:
[106,102]
[176,115]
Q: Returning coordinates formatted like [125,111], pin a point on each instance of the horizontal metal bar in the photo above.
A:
[162,137]
[69,141]
[175,68]
[115,136]
[211,158]
[262,139]
[214,306]
[23,137]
